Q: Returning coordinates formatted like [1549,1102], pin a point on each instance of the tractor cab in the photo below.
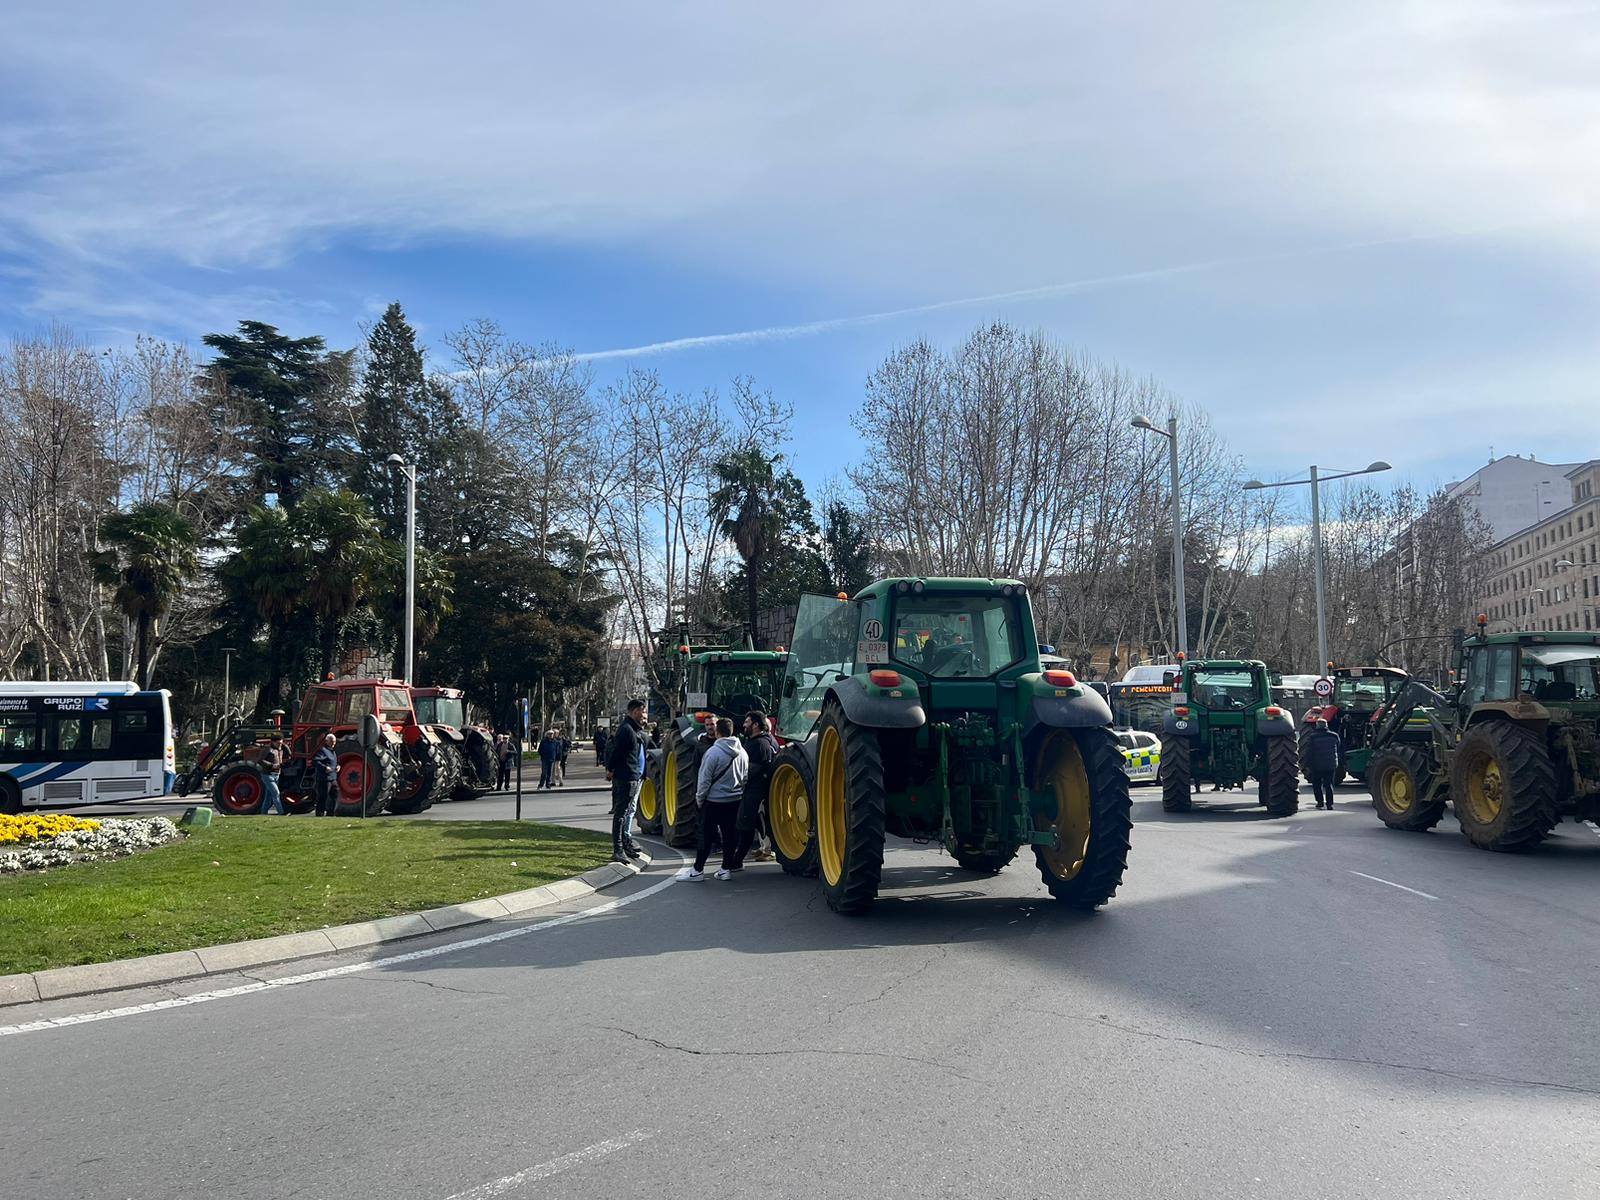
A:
[729,683]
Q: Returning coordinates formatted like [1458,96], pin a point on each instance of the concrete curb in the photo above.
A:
[61,982]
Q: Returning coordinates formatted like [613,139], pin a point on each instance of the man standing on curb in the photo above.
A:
[625,770]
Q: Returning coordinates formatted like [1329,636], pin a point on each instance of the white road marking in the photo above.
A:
[1593,828]
[245,989]
[1374,879]
[578,1158]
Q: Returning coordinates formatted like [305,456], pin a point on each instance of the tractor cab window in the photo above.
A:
[323,706]
[736,688]
[426,709]
[357,704]
[1358,690]
[1489,675]
[956,637]
[447,710]
[1223,690]
[1560,673]
[396,705]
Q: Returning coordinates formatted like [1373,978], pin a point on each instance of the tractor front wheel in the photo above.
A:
[1280,780]
[1397,777]
[1093,817]
[1503,785]
[239,789]
[1176,782]
[851,808]
[431,776]
[792,812]
[366,779]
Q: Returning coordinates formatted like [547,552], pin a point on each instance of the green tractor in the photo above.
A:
[920,709]
[720,681]
[1359,693]
[1225,729]
[1513,747]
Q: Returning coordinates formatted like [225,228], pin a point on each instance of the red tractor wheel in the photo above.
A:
[239,789]
[366,779]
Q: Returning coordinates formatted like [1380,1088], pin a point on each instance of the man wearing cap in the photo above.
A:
[762,748]
[270,761]
[1322,762]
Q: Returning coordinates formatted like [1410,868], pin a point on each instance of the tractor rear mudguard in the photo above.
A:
[873,707]
[1081,711]
[1275,726]
[1175,726]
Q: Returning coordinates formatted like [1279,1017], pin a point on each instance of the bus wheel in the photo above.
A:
[10,796]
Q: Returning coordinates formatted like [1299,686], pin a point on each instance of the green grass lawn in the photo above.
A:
[250,877]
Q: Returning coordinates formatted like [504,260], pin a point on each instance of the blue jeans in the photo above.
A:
[270,796]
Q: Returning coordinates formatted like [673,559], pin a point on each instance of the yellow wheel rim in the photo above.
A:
[1396,790]
[830,805]
[647,800]
[1485,790]
[789,811]
[1064,762]
[669,788]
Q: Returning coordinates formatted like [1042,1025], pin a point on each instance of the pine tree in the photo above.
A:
[395,408]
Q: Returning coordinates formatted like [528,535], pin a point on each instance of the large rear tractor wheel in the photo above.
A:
[850,814]
[479,755]
[239,789]
[792,812]
[1503,785]
[432,776]
[1280,782]
[649,810]
[366,780]
[1177,794]
[680,811]
[1093,816]
[1396,778]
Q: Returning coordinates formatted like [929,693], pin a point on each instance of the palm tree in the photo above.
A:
[342,547]
[267,571]
[748,516]
[151,552]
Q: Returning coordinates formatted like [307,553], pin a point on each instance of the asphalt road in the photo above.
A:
[1265,1010]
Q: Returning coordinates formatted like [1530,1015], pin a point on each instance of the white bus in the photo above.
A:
[73,742]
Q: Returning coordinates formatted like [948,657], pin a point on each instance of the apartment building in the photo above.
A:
[1547,577]
[1512,493]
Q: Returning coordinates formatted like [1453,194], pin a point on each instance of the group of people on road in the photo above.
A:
[554,747]
[324,775]
[731,790]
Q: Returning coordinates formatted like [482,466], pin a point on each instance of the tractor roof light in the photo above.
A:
[886,679]
[903,586]
[683,649]
[844,595]
[918,587]
[1182,656]
[1061,678]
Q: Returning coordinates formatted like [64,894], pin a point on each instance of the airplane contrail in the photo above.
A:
[772,333]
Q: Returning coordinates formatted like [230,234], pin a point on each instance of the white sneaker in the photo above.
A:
[690,873]
[724,873]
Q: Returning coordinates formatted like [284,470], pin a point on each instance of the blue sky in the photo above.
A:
[1345,231]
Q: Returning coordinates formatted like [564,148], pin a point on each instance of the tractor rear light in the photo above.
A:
[1180,711]
[884,678]
[1272,710]
[1061,678]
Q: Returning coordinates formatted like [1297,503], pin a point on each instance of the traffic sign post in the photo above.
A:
[1323,688]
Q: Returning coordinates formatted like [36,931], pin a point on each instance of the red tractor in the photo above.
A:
[412,765]
[444,710]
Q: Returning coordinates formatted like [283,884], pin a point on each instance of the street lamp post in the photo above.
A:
[227,679]
[1316,481]
[410,473]
[1181,619]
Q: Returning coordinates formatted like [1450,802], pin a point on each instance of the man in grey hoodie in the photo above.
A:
[721,784]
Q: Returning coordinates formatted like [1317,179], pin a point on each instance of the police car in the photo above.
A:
[1141,755]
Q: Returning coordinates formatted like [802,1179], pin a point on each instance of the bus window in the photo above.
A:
[69,733]
[133,721]
[100,733]
[19,732]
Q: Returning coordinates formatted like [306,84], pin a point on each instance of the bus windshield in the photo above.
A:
[952,637]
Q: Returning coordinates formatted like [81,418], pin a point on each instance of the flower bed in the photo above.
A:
[53,840]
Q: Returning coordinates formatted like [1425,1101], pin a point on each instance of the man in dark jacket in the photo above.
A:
[326,765]
[762,748]
[1321,757]
[625,770]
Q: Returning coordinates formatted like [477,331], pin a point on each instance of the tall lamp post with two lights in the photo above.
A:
[1181,617]
[410,472]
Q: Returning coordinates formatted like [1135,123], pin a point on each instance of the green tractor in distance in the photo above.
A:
[1513,748]
[1224,728]
[717,681]
[1358,694]
[920,709]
